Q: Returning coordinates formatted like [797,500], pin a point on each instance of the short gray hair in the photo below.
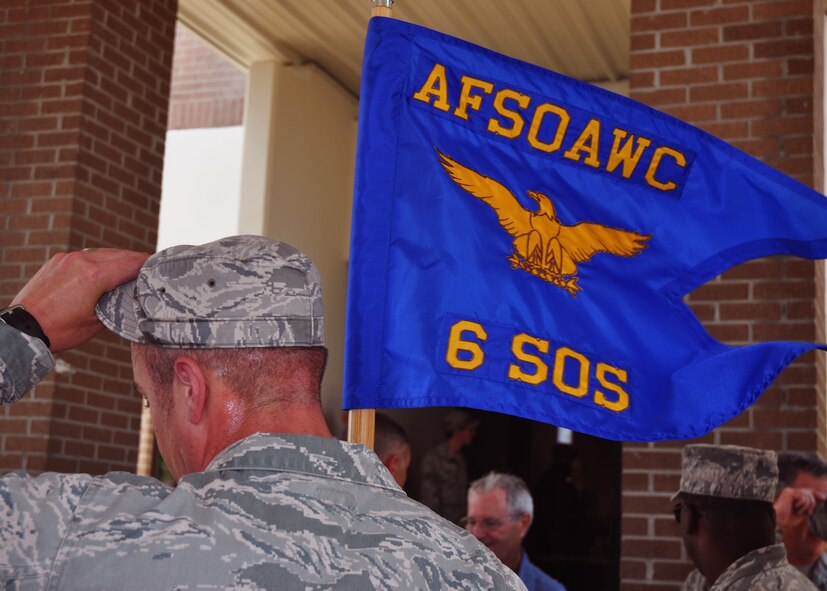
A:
[518,498]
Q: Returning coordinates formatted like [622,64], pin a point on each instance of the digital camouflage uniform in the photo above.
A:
[24,361]
[271,511]
[765,569]
[444,486]
[740,473]
[284,512]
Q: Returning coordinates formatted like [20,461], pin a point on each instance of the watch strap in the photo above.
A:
[20,318]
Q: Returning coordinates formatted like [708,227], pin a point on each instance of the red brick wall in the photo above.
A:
[83,112]
[207,89]
[744,71]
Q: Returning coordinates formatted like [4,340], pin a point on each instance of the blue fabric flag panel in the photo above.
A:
[522,241]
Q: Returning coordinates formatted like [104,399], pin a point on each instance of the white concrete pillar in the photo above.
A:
[297,184]
[258,132]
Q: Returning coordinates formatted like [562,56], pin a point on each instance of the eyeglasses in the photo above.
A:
[486,522]
[676,511]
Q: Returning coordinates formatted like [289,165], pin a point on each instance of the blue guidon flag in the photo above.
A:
[522,241]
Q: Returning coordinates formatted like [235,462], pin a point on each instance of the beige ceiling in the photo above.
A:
[585,39]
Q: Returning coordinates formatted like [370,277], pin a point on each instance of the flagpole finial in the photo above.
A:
[381,7]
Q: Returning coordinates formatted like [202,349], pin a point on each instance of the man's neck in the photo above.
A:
[803,549]
[296,419]
[269,418]
[803,562]
[514,560]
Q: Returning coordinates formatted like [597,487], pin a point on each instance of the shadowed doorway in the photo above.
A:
[575,536]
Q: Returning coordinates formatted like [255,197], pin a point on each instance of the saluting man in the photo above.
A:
[227,350]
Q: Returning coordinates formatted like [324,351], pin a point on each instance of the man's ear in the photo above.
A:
[391,462]
[192,388]
[524,520]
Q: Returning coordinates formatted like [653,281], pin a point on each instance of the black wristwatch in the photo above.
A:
[19,318]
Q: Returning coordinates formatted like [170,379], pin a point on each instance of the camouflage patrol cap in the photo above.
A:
[237,292]
[459,419]
[729,471]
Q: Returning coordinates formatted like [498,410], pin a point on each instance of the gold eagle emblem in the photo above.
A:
[543,246]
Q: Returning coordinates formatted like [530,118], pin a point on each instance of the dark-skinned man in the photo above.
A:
[727,521]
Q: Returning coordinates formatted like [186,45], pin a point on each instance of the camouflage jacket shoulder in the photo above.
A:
[695,582]
[269,512]
[763,569]
[24,361]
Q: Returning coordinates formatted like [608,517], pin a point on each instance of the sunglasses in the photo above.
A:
[676,511]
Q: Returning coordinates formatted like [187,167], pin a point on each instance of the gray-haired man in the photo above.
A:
[227,351]
[500,510]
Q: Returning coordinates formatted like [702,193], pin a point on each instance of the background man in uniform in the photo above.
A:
[444,470]
[725,514]
[802,485]
[227,350]
[500,510]
[391,444]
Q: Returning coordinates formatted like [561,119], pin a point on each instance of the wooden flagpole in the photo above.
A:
[361,422]
[146,445]
[382,8]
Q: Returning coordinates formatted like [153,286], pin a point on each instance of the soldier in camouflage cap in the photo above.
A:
[227,352]
[726,518]
[444,470]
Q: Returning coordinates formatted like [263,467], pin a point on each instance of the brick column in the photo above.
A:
[83,112]
[744,71]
